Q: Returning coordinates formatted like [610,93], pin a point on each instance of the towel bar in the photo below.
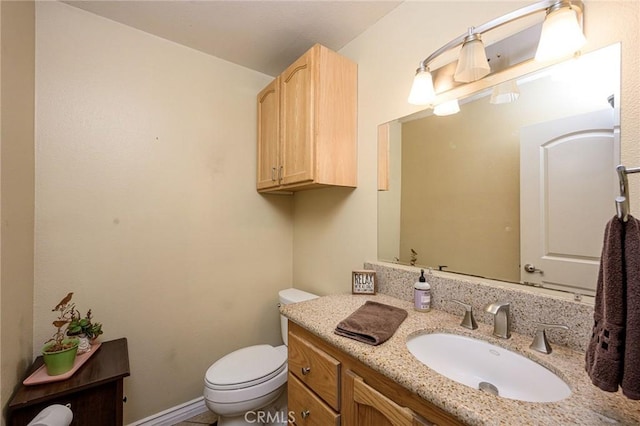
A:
[622,201]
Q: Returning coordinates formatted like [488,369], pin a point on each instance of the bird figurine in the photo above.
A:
[63,302]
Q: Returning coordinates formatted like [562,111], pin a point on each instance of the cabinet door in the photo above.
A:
[297,85]
[306,408]
[316,369]
[269,136]
[370,407]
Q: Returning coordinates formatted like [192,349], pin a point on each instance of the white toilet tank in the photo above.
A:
[288,296]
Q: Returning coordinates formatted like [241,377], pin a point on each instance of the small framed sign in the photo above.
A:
[364,282]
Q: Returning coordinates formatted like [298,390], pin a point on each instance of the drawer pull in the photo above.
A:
[305,414]
[306,370]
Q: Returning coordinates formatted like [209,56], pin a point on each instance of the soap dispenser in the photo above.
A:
[422,294]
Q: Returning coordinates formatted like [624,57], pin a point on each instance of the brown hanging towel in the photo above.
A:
[605,352]
[631,371]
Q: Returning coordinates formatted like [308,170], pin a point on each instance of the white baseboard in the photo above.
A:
[175,414]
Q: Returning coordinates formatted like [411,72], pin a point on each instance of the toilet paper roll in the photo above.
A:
[53,415]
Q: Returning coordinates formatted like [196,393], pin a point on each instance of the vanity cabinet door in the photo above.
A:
[306,408]
[370,407]
[316,369]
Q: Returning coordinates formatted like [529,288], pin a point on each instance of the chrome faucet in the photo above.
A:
[501,320]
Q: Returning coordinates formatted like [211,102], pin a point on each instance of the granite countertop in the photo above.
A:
[587,405]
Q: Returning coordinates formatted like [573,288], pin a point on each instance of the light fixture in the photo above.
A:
[447,108]
[422,91]
[505,92]
[561,34]
[561,16]
[472,62]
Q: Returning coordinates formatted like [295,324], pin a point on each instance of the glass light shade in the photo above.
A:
[447,108]
[561,35]
[472,62]
[422,91]
[505,93]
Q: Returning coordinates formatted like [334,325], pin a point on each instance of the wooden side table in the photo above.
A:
[95,391]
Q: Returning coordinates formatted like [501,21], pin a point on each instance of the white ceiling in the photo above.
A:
[265,35]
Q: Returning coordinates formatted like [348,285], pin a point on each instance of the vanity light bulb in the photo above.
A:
[422,91]
[561,35]
[505,93]
[472,62]
[447,108]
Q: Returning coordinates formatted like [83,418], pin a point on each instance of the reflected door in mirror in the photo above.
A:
[567,179]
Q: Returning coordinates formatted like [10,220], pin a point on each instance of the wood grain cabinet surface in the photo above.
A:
[95,392]
[364,397]
[314,384]
[307,121]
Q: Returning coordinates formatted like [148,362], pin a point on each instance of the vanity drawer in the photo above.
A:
[316,369]
[305,408]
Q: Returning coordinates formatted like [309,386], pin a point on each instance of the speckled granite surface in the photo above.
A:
[586,406]
[527,306]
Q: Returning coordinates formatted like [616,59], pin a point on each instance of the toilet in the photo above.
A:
[248,386]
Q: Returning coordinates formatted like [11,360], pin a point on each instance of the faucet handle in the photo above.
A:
[468,321]
[540,342]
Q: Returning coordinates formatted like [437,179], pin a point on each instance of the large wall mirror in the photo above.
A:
[518,191]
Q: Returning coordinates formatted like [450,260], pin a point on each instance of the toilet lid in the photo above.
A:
[246,367]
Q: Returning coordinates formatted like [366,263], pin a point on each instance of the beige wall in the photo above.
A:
[454,206]
[335,232]
[146,206]
[146,202]
[16,189]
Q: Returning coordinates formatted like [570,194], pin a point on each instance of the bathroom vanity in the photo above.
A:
[328,386]
[336,380]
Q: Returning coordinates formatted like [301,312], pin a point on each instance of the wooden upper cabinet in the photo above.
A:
[316,126]
[296,123]
[269,135]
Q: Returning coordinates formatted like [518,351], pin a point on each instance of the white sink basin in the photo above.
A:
[481,365]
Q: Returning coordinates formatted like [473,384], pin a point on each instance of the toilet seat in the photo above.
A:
[236,381]
[247,367]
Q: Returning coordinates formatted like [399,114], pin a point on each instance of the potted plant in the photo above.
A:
[84,328]
[59,352]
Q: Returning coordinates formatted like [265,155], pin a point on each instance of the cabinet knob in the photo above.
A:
[305,414]
[306,370]
[124,399]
